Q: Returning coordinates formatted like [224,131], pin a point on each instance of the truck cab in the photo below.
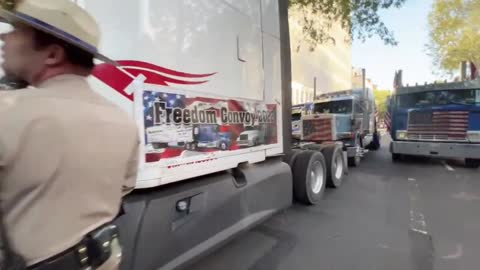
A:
[340,110]
[437,120]
[344,116]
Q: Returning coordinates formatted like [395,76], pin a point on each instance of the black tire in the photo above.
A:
[334,165]
[472,163]
[290,157]
[374,145]
[159,145]
[396,157]
[193,146]
[223,146]
[354,161]
[304,164]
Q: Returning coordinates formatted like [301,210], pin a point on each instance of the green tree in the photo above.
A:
[381,101]
[454,33]
[360,18]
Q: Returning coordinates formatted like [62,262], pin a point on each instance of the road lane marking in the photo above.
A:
[383,246]
[421,243]
[417,219]
[456,255]
[448,167]
[466,196]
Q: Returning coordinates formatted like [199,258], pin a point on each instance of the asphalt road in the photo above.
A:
[416,214]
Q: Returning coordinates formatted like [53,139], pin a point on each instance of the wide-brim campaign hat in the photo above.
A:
[60,18]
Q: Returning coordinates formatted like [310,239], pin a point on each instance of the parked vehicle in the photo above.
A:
[164,136]
[176,74]
[437,120]
[252,136]
[344,116]
[209,136]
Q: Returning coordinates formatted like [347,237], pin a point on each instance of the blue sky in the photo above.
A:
[410,26]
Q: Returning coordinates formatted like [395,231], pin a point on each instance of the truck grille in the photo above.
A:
[317,129]
[438,126]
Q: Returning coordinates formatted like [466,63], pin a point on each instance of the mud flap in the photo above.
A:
[345,161]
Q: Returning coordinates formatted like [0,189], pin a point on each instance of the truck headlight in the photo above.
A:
[473,136]
[401,135]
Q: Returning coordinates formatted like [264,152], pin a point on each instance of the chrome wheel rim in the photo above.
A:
[316,177]
[338,163]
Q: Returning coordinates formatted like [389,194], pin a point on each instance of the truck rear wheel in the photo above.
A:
[334,165]
[191,146]
[223,146]
[309,177]
[159,145]
[354,161]
[290,157]
[472,163]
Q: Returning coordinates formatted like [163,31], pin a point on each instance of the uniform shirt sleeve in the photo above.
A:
[132,169]
[7,141]
[3,154]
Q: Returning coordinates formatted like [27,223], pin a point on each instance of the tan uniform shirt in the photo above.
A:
[66,158]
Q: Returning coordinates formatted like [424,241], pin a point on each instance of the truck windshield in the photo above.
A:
[436,98]
[339,106]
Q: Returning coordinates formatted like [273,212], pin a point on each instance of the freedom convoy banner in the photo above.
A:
[176,125]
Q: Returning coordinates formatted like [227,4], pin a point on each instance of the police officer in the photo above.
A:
[67,156]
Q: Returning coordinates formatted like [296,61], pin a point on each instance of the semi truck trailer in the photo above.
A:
[187,66]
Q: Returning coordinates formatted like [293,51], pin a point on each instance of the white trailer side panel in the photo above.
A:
[213,65]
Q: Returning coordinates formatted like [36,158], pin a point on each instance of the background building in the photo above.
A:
[327,68]
[357,79]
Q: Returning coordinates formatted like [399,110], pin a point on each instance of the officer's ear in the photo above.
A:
[56,55]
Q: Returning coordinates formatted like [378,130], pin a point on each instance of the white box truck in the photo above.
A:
[221,70]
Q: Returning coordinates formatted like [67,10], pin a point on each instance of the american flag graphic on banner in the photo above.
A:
[216,130]
[190,123]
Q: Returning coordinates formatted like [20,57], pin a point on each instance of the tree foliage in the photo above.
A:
[381,101]
[360,18]
[454,33]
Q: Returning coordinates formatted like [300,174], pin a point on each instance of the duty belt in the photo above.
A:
[93,251]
